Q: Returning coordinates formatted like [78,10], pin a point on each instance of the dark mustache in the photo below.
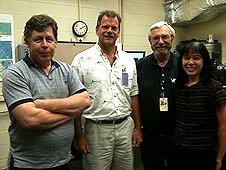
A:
[108,35]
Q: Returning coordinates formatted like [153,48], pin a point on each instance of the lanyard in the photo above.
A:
[162,78]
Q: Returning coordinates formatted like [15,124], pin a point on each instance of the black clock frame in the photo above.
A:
[73,30]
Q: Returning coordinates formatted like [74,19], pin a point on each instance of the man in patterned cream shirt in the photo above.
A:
[112,123]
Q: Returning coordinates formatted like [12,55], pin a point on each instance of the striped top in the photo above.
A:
[197,124]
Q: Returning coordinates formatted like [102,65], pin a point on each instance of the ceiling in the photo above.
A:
[186,12]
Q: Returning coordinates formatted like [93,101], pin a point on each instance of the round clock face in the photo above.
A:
[79,28]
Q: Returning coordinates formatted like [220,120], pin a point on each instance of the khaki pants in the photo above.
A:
[110,144]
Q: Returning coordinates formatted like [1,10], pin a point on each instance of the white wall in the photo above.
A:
[137,16]
[4,139]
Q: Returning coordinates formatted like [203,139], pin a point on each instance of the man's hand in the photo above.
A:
[81,144]
[137,137]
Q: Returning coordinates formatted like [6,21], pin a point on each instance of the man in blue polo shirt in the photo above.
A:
[43,97]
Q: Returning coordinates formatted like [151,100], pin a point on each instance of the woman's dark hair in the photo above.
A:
[39,23]
[207,72]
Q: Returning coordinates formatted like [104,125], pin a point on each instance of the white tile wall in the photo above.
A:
[4,139]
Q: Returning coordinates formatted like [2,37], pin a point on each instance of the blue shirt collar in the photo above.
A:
[29,62]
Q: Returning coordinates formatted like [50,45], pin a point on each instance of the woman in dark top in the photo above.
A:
[200,134]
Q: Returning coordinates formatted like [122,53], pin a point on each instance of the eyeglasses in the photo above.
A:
[156,38]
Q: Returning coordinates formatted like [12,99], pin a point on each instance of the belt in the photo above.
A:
[117,121]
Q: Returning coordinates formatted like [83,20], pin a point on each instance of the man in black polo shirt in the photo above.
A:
[156,76]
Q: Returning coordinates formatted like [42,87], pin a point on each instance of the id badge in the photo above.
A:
[125,79]
[163,104]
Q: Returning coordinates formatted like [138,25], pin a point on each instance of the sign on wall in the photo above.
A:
[7,56]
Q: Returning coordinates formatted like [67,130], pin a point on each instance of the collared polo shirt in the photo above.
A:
[24,82]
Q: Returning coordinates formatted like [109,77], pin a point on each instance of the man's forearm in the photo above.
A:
[30,117]
[136,112]
[71,106]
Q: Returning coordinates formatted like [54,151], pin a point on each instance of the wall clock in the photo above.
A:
[79,28]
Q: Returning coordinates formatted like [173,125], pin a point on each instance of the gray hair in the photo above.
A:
[159,24]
